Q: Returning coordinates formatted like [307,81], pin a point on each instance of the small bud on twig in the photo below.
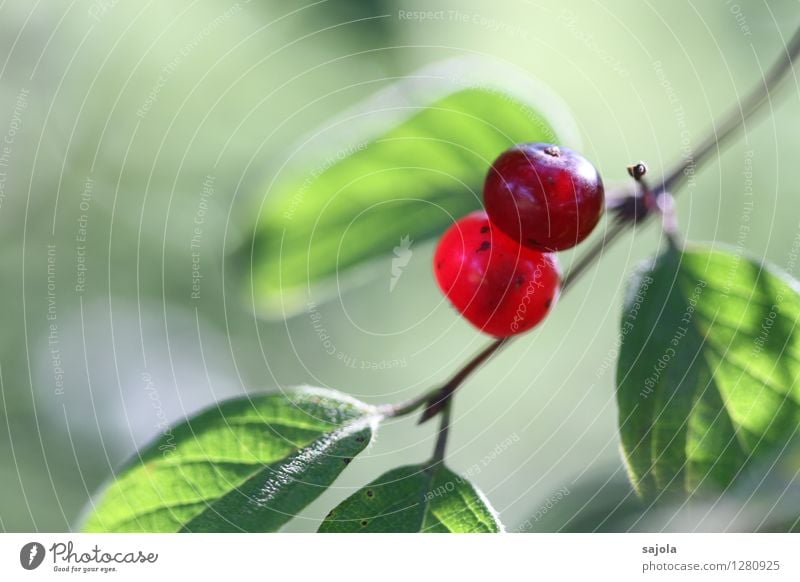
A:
[637,170]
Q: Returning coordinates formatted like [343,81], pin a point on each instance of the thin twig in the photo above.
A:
[616,228]
[736,117]
[439,399]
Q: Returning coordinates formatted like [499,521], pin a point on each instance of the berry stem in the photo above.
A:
[444,431]
[438,399]
[663,203]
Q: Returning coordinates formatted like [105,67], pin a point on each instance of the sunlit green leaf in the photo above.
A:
[249,464]
[416,498]
[708,370]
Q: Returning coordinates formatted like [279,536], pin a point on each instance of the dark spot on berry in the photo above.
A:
[519,281]
[485,229]
[548,303]
[533,241]
[364,523]
[370,493]
[485,245]
[439,265]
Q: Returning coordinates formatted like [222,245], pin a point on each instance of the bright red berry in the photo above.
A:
[499,286]
[545,196]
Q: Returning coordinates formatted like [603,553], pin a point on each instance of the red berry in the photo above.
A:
[500,287]
[545,196]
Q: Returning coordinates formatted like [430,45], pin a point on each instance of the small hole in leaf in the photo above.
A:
[346,460]
[370,493]
[360,439]
[364,523]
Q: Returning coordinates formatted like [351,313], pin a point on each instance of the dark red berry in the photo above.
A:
[545,196]
[499,286]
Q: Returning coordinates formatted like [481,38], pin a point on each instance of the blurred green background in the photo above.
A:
[117,111]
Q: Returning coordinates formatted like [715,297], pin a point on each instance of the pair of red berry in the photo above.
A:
[497,266]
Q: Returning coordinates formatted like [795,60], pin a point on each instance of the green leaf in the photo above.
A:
[405,163]
[248,464]
[708,370]
[765,498]
[416,498]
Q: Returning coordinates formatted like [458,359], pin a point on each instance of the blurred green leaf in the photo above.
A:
[708,370]
[416,498]
[405,163]
[765,498]
[249,464]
